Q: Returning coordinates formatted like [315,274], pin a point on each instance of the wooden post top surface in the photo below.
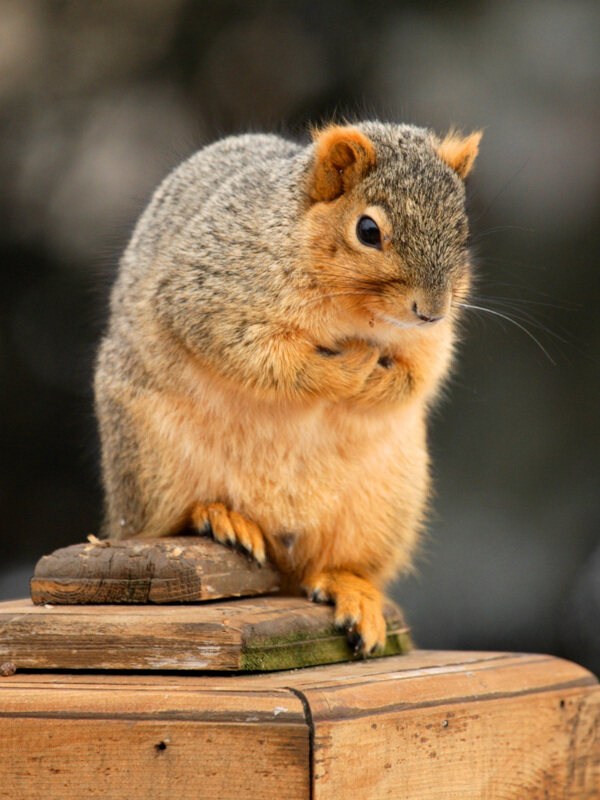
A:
[420,678]
[422,726]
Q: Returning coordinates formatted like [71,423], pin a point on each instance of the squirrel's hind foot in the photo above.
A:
[229,527]
[358,607]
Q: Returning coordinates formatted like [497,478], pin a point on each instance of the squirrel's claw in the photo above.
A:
[358,607]
[229,527]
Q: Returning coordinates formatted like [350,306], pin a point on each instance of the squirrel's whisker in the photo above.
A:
[508,319]
[523,315]
[517,301]
[499,229]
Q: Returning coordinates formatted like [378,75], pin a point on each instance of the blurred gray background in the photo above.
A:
[99,100]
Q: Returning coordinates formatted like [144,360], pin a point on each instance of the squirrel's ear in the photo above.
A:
[342,156]
[459,152]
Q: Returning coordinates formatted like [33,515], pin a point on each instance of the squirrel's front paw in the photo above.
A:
[346,369]
[358,607]
[229,527]
[391,380]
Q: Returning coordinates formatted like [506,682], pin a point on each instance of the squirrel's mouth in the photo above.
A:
[413,307]
[397,323]
[412,323]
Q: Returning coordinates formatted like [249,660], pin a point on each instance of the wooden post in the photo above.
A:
[422,726]
[153,697]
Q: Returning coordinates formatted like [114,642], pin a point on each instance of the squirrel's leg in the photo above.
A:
[358,606]
[229,527]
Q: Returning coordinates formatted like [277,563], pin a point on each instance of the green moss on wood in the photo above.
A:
[303,650]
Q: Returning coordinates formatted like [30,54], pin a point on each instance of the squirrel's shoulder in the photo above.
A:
[211,176]
[215,162]
[267,144]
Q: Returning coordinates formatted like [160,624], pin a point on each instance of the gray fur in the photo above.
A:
[213,259]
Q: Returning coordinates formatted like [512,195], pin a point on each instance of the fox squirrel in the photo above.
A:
[282,320]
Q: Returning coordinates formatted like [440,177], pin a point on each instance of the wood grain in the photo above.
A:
[509,728]
[452,725]
[252,634]
[74,740]
[179,569]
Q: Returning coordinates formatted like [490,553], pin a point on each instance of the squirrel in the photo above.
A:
[283,318]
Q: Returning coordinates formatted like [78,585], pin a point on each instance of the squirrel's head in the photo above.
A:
[386,224]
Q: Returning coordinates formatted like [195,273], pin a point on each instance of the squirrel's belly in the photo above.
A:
[330,477]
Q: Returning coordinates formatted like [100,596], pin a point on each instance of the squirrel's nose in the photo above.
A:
[426,317]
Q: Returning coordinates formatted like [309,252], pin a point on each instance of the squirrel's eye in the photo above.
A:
[368,232]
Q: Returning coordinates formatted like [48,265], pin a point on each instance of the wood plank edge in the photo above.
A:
[581,687]
[84,591]
[134,591]
[299,651]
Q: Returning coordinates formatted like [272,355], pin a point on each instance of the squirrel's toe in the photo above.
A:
[249,536]
[361,615]
[229,527]
[358,607]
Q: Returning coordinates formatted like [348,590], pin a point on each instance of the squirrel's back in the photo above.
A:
[227,181]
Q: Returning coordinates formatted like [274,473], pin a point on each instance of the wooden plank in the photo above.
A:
[425,725]
[511,728]
[355,673]
[86,740]
[254,634]
[179,569]
[518,750]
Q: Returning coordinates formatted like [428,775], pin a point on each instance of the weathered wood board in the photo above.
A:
[263,633]
[67,739]
[181,569]
[492,727]
[423,726]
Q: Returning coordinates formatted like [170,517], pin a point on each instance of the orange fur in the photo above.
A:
[210,442]
[229,527]
[460,152]
[310,439]
[213,442]
[358,605]
[342,155]
[207,438]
